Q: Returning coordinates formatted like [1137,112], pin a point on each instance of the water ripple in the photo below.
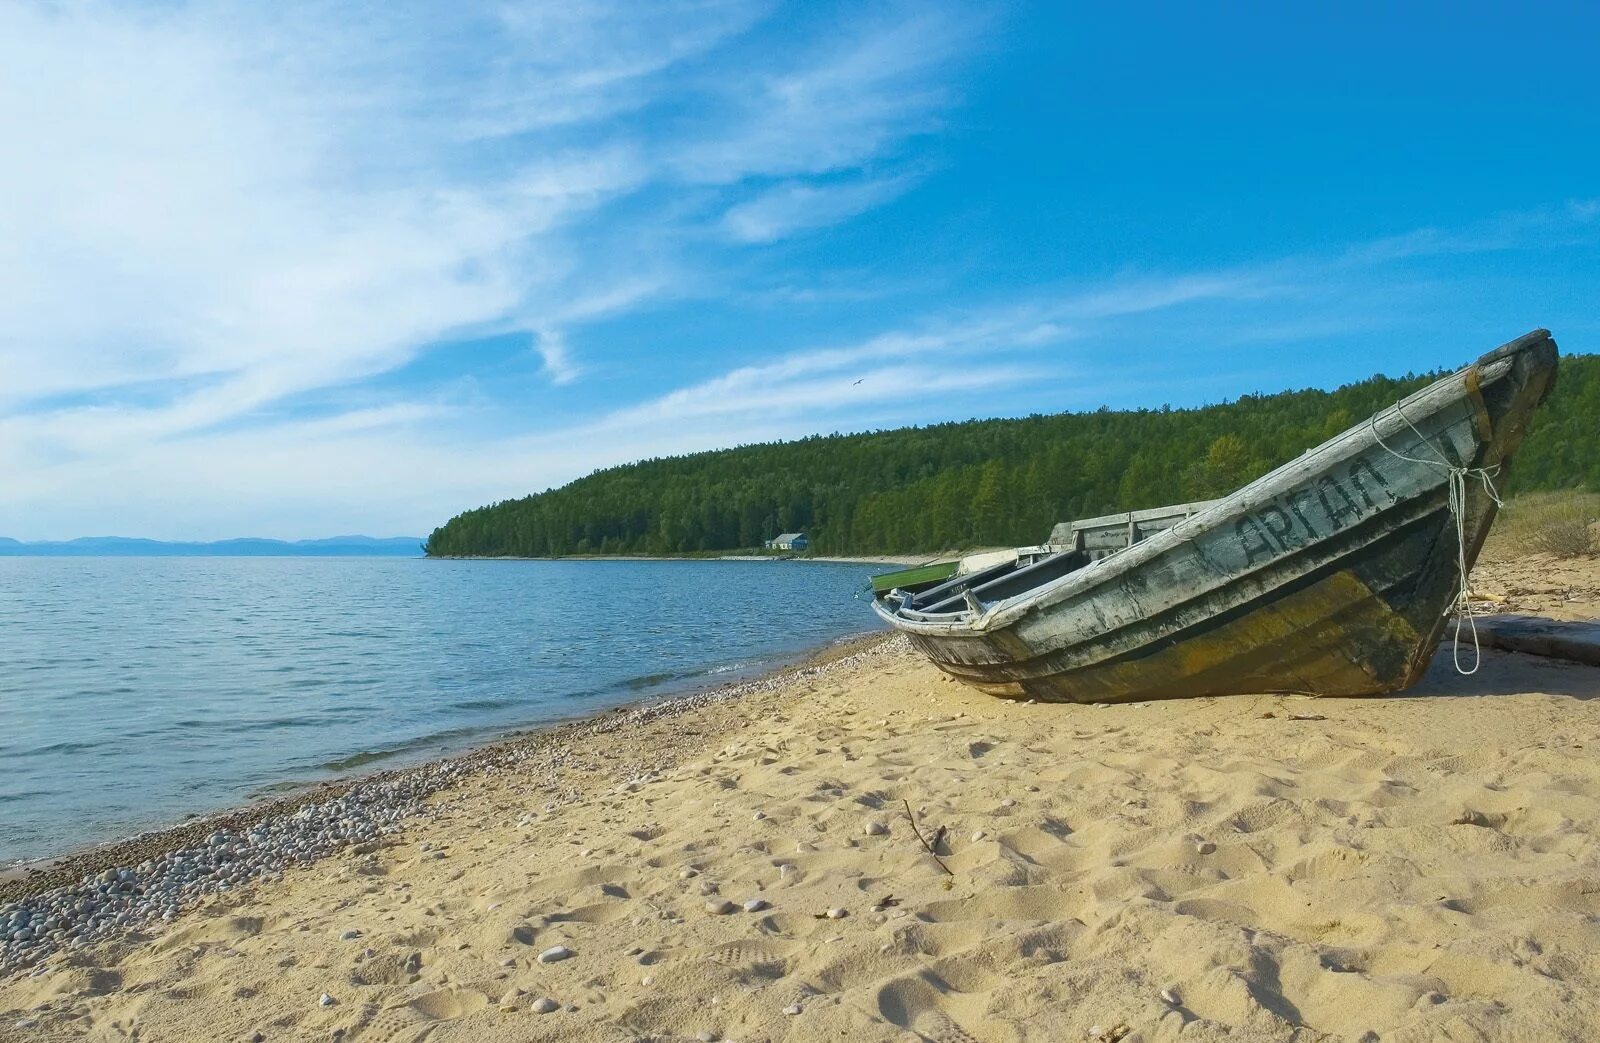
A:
[139,689]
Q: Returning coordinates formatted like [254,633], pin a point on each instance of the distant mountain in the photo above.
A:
[131,547]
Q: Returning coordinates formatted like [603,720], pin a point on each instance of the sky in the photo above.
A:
[304,269]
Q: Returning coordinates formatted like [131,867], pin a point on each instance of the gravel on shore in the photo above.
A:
[131,886]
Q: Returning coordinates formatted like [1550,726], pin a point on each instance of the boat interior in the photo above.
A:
[1072,545]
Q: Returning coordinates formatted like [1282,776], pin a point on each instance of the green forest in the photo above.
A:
[979,482]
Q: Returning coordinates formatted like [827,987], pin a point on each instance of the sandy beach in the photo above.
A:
[1409,868]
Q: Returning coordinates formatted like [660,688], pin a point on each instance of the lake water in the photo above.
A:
[134,690]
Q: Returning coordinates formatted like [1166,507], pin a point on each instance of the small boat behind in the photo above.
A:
[921,577]
[915,579]
[1333,575]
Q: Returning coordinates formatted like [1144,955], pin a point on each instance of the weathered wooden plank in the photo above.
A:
[1536,635]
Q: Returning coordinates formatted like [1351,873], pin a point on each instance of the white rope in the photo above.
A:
[1456,496]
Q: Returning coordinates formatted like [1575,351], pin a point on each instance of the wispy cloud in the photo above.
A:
[234,229]
[558,363]
[284,198]
[797,207]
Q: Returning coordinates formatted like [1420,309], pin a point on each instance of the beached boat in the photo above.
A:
[1333,575]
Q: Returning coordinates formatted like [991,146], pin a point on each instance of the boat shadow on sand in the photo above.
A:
[1503,673]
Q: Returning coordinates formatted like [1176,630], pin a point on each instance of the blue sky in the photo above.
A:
[311,268]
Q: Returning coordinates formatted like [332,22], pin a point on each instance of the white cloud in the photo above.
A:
[214,213]
[860,94]
[798,207]
[217,210]
[558,364]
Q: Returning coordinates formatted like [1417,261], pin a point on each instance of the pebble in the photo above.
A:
[350,935]
[544,1005]
[758,816]
[755,905]
[792,1009]
[838,914]
[1008,803]
[978,835]
[1205,847]
[688,874]
[1171,997]
[720,907]
[556,954]
[326,1000]
[706,1037]
[171,872]
[875,829]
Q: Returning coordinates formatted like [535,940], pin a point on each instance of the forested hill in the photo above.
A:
[977,483]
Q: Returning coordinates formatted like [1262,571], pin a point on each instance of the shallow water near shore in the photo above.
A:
[136,690]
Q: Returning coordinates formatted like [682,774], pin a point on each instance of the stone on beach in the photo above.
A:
[720,907]
[555,954]
[544,1005]
[1006,920]
[875,829]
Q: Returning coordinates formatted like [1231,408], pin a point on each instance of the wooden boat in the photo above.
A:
[1333,575]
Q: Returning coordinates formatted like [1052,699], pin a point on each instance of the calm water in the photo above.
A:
[133,690]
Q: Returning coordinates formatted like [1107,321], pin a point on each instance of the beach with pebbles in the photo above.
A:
[860,849]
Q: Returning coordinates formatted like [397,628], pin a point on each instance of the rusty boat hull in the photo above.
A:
[1334,574]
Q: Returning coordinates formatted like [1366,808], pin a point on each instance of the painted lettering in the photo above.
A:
[1252,539]
[1339,506]
[1279,525]
[1355,479]
[1293,500]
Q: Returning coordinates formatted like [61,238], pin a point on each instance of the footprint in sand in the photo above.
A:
[415,1020]
[915,1003]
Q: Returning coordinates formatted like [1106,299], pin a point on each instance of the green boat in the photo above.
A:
[925,577]
[915,579]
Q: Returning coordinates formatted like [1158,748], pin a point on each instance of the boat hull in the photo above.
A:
[1334,575]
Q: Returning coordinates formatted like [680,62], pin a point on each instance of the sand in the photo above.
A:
[1409,868]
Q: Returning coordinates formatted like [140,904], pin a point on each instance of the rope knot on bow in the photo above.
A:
[1456,479]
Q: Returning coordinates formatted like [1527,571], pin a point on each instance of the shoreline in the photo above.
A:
[290,793]
[848,559]
[866,850]
[410,784]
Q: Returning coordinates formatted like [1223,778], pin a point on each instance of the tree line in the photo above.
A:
[978,482]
